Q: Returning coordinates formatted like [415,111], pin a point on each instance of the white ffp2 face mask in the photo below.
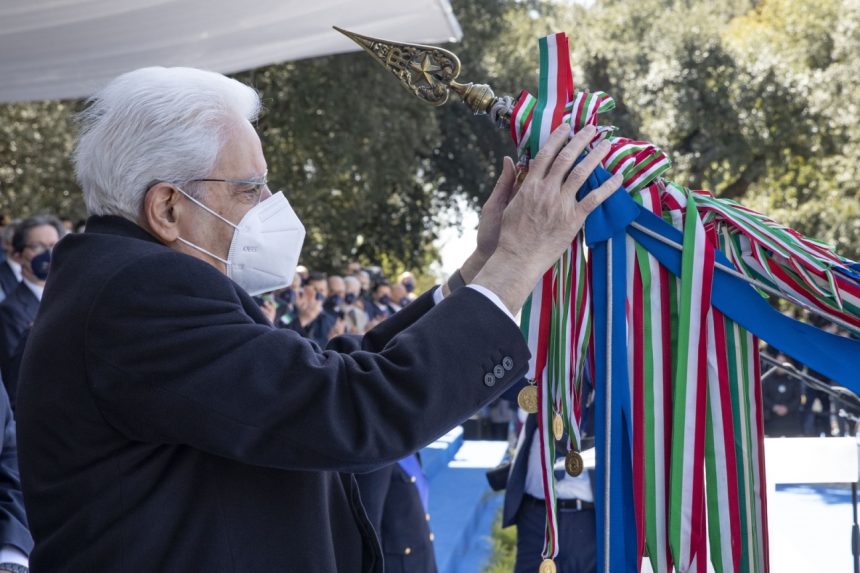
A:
[266,245]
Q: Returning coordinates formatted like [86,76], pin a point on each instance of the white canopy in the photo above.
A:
[59,49]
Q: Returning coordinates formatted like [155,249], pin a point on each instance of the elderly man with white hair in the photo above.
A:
[165,425]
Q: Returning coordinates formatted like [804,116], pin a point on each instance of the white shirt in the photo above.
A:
[438,297]
[37,290]
[566,488]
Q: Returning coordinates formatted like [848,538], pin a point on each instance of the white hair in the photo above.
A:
[154,124]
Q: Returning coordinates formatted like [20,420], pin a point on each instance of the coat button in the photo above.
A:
[489,379]
[498,371]
[427,516]
[407,551]
[432,537]
[508,363]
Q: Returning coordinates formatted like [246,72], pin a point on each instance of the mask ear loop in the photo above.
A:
[196,247]
[202,250]
[204,207]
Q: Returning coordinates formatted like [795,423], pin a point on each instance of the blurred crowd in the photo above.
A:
[321,306]
[797,401]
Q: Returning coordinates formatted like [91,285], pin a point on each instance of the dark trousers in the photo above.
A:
[577,550]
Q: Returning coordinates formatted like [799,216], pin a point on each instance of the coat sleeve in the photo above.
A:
[173,358]
[13,519]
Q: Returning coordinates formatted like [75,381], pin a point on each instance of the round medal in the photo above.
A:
[573,463]
[557,427]
[527,399]
[547,566]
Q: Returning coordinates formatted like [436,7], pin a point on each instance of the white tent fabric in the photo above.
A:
[59,49]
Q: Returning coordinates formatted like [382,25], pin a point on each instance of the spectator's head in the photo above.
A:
[399,294]
[364,279]
[319,283]
[32,244]
[381,293]
[336,286]
[81,226]
[408,281]
[353,268]
[352,290]
[68,225]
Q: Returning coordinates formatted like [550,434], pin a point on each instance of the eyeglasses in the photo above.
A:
[250,190]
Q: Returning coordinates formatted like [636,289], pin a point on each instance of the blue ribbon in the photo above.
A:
[616,524]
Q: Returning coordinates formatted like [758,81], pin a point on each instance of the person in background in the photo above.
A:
[353,268]
[32,244]
[782,394]
[407,279]
[380,306]
[10,271]
[364,279]
[68,224]
[336,293]
[312,320]
[354,316]
[399,296]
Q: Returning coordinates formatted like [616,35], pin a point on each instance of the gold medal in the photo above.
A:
[547,566]
[573,463]
[557,427]
[527,399]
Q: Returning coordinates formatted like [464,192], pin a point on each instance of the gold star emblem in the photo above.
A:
[426,67]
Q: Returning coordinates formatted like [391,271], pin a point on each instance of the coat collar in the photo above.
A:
[114,225]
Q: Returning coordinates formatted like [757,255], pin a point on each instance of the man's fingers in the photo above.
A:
[580,173]
[568,155]
[504,189]
[599,195]
[543,160]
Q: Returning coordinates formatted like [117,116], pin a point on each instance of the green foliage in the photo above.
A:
[758,101]
[504,548]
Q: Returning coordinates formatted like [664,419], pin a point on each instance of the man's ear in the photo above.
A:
[17,257]
[161,211]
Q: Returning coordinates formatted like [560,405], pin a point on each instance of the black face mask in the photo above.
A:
[41,264]
[349,298]
[384,300]
[332,302]
[409,287]
[320,296]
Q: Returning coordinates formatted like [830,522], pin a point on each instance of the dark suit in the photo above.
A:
[17,314]
[13,520]
[577,543]
[174,429]
[396,512]
[8,280]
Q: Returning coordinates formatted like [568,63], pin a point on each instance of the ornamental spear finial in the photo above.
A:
[429,73]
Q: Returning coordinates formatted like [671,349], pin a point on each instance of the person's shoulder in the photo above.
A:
[166,269]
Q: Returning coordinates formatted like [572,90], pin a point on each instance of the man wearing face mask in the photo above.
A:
[380,306]
[354,316]
[407,279]
[32,243]
[166,425]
